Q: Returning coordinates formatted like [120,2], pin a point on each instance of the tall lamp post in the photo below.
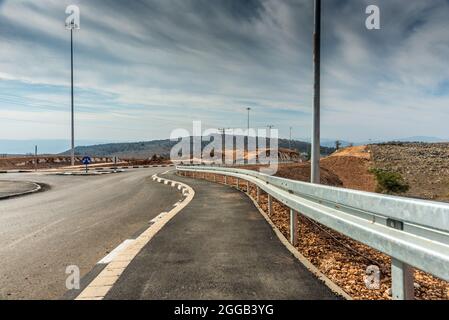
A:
[315,153]
[248,109]
[72,23]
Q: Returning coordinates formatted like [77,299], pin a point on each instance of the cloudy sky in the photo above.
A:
[146,67]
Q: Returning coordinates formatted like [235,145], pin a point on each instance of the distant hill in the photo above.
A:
[138,150]
[331,142]
[44,146]
[146,149]
[422,139]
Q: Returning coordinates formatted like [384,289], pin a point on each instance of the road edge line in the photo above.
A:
[98,288]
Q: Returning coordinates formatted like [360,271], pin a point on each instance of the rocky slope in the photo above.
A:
[424,166]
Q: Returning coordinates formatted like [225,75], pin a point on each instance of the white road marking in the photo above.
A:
[100,286]
[116,251]
[160,216]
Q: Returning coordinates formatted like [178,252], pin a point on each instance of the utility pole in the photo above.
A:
[315,154]
[223,145]
[247,137]
[269,127]
[290,141]
[35,158]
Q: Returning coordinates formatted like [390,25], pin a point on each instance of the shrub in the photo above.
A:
[389,182]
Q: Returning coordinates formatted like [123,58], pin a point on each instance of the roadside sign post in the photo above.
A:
[86,161]
[115,163]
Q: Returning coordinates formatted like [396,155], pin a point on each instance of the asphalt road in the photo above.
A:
[218,247]
[77,221]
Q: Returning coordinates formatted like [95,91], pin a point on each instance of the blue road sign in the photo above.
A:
[86,160]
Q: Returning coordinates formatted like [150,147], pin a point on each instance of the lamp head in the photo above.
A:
[73,20]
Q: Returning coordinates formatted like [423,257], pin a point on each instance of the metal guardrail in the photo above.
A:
[414,233]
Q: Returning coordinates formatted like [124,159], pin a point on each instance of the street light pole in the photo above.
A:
[315,154]
[248,109]
[72,22]
[72,152]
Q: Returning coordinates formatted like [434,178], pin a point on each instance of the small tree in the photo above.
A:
[309,152]
[389,182]
[337,145]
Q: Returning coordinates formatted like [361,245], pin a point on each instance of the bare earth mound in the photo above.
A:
[301,172]
[352,165]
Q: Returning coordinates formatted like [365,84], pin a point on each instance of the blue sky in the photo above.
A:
[144,68]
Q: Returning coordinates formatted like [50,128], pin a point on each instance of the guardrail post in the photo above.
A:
[247,187]
[293,227]
[215,178]
[238,184]
[270,204]
[402,287]
[258,194]
[225,179]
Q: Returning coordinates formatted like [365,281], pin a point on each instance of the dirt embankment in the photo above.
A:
[301,172]
[424,167]
[347,168]
[352,165]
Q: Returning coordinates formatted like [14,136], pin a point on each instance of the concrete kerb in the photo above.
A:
[37,188]
[314,270]
[100,286]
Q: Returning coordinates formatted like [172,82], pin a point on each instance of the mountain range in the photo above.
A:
[145,149]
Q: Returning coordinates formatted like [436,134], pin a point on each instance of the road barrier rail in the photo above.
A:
[414,233]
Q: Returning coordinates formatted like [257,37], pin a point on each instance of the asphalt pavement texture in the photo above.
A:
[218,247]
[76,221]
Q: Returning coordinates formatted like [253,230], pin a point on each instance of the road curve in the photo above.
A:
[218,247]
[77,222]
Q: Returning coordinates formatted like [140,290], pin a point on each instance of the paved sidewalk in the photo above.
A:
[218,247]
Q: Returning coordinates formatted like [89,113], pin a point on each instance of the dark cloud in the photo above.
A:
[209,57]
